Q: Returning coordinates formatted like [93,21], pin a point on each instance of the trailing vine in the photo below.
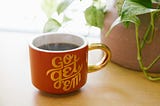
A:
[147,39]
[129,12]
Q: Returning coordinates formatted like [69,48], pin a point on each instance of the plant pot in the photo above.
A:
[122,42]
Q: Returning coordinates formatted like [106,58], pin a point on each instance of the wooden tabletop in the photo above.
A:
[111,86]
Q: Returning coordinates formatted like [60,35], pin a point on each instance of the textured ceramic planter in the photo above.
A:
[122,42]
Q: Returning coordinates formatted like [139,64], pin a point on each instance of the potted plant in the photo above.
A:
[135,23]
[136,35]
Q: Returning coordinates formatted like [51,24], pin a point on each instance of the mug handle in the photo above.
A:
[106,58]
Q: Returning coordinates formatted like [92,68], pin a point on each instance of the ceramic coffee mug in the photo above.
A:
[59,62]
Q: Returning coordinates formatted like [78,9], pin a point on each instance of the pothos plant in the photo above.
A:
[128,10]
[128,13]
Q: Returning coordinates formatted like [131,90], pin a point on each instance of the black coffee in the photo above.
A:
[58,46]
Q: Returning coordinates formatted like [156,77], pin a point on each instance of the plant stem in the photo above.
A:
[139,54]
[154,61]
[148,37]
[145,36]
[139,58]
[152,28]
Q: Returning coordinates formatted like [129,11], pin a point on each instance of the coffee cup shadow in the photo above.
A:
[42,97]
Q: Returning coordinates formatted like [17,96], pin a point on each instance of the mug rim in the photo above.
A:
[85,43]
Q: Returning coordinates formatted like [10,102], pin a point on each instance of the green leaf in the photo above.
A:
[132,19]
[145,3]
[94,16]
[90,15]
[132,8]
[99,18]
[155,1]
[119,4]
[51,25]
[49,6]
[136,7]
[115,23]
[63,5]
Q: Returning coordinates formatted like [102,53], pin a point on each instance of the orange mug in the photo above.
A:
[59,62]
